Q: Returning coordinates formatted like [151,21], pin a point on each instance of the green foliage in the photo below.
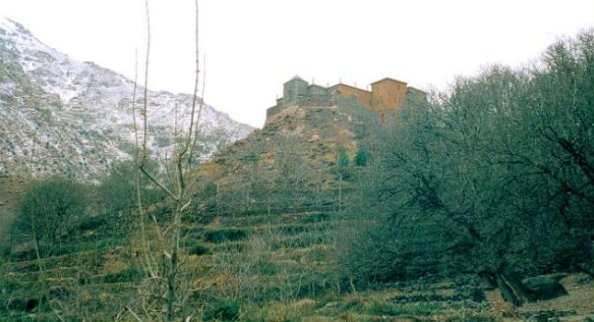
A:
[343,160]
[289,230]
[252,157]
[225,310]
[197,248]
[317,218]
[392,309]
[362,157]
[90,223]
[206,199]
[50,210]
[225,234]
[130,274]
[342,165]
[118,192]
[494,177]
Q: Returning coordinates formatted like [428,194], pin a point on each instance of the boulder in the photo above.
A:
[543,288]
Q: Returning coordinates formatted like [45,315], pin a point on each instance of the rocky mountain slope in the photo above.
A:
[305,160]
[59,115]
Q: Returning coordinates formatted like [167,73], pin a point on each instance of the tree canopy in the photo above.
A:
[494,177]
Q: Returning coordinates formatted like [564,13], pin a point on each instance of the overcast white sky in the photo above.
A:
[253,47]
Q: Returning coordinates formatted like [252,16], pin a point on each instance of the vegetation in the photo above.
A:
[493,178]
[49,212]
[118,191]
[451,211]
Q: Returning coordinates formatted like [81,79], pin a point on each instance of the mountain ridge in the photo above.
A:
[60,115]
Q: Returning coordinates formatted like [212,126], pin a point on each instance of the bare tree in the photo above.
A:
[162,258]
[493,178]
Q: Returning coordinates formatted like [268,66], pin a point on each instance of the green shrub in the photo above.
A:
[293,229]
[130,274]
[117,191]
[384,308]
[264,266]
[231,246]
[361,158]
[316,218]
[226,310]
[23,255]
[91,223]
[301,240]
[198,248]
[225,234]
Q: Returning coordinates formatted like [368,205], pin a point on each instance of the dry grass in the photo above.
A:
[580,299]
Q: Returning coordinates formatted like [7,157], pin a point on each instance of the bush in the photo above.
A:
[223,311]
[361,158]
[391,309]
[24,255]
[118,192]
[92,223]
[130,274]
[198,248]
[294,229]
[49,211]
[225,234]
[316,218]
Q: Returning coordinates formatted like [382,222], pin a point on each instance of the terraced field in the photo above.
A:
[253,268]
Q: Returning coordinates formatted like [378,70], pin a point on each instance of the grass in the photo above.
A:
[391,309]
[197,248]
[128,275]
[279,269]
[220,235]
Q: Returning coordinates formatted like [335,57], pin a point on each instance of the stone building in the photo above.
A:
[386,94]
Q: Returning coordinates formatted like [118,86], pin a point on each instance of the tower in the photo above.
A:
[293,90]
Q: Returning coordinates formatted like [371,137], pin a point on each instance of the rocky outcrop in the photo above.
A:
[543,288]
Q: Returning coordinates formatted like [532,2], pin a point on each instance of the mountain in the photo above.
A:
[60,115]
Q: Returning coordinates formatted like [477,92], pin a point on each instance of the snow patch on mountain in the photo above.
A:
[58,114]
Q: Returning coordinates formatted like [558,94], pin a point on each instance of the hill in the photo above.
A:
[301,160]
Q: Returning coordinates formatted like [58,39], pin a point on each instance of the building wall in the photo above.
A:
[415,96]
[363,96]
[273,111]
[388,94]
[293,90]
[316,90]
[316,96]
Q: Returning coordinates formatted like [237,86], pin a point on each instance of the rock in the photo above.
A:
[548,315]
[543,288]
[589,318]
[558,276]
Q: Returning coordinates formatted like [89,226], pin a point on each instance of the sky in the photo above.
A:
[249,48]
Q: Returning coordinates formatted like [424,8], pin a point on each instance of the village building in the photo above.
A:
[386,94]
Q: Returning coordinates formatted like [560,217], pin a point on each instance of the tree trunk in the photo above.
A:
[171,287]
[511,288]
